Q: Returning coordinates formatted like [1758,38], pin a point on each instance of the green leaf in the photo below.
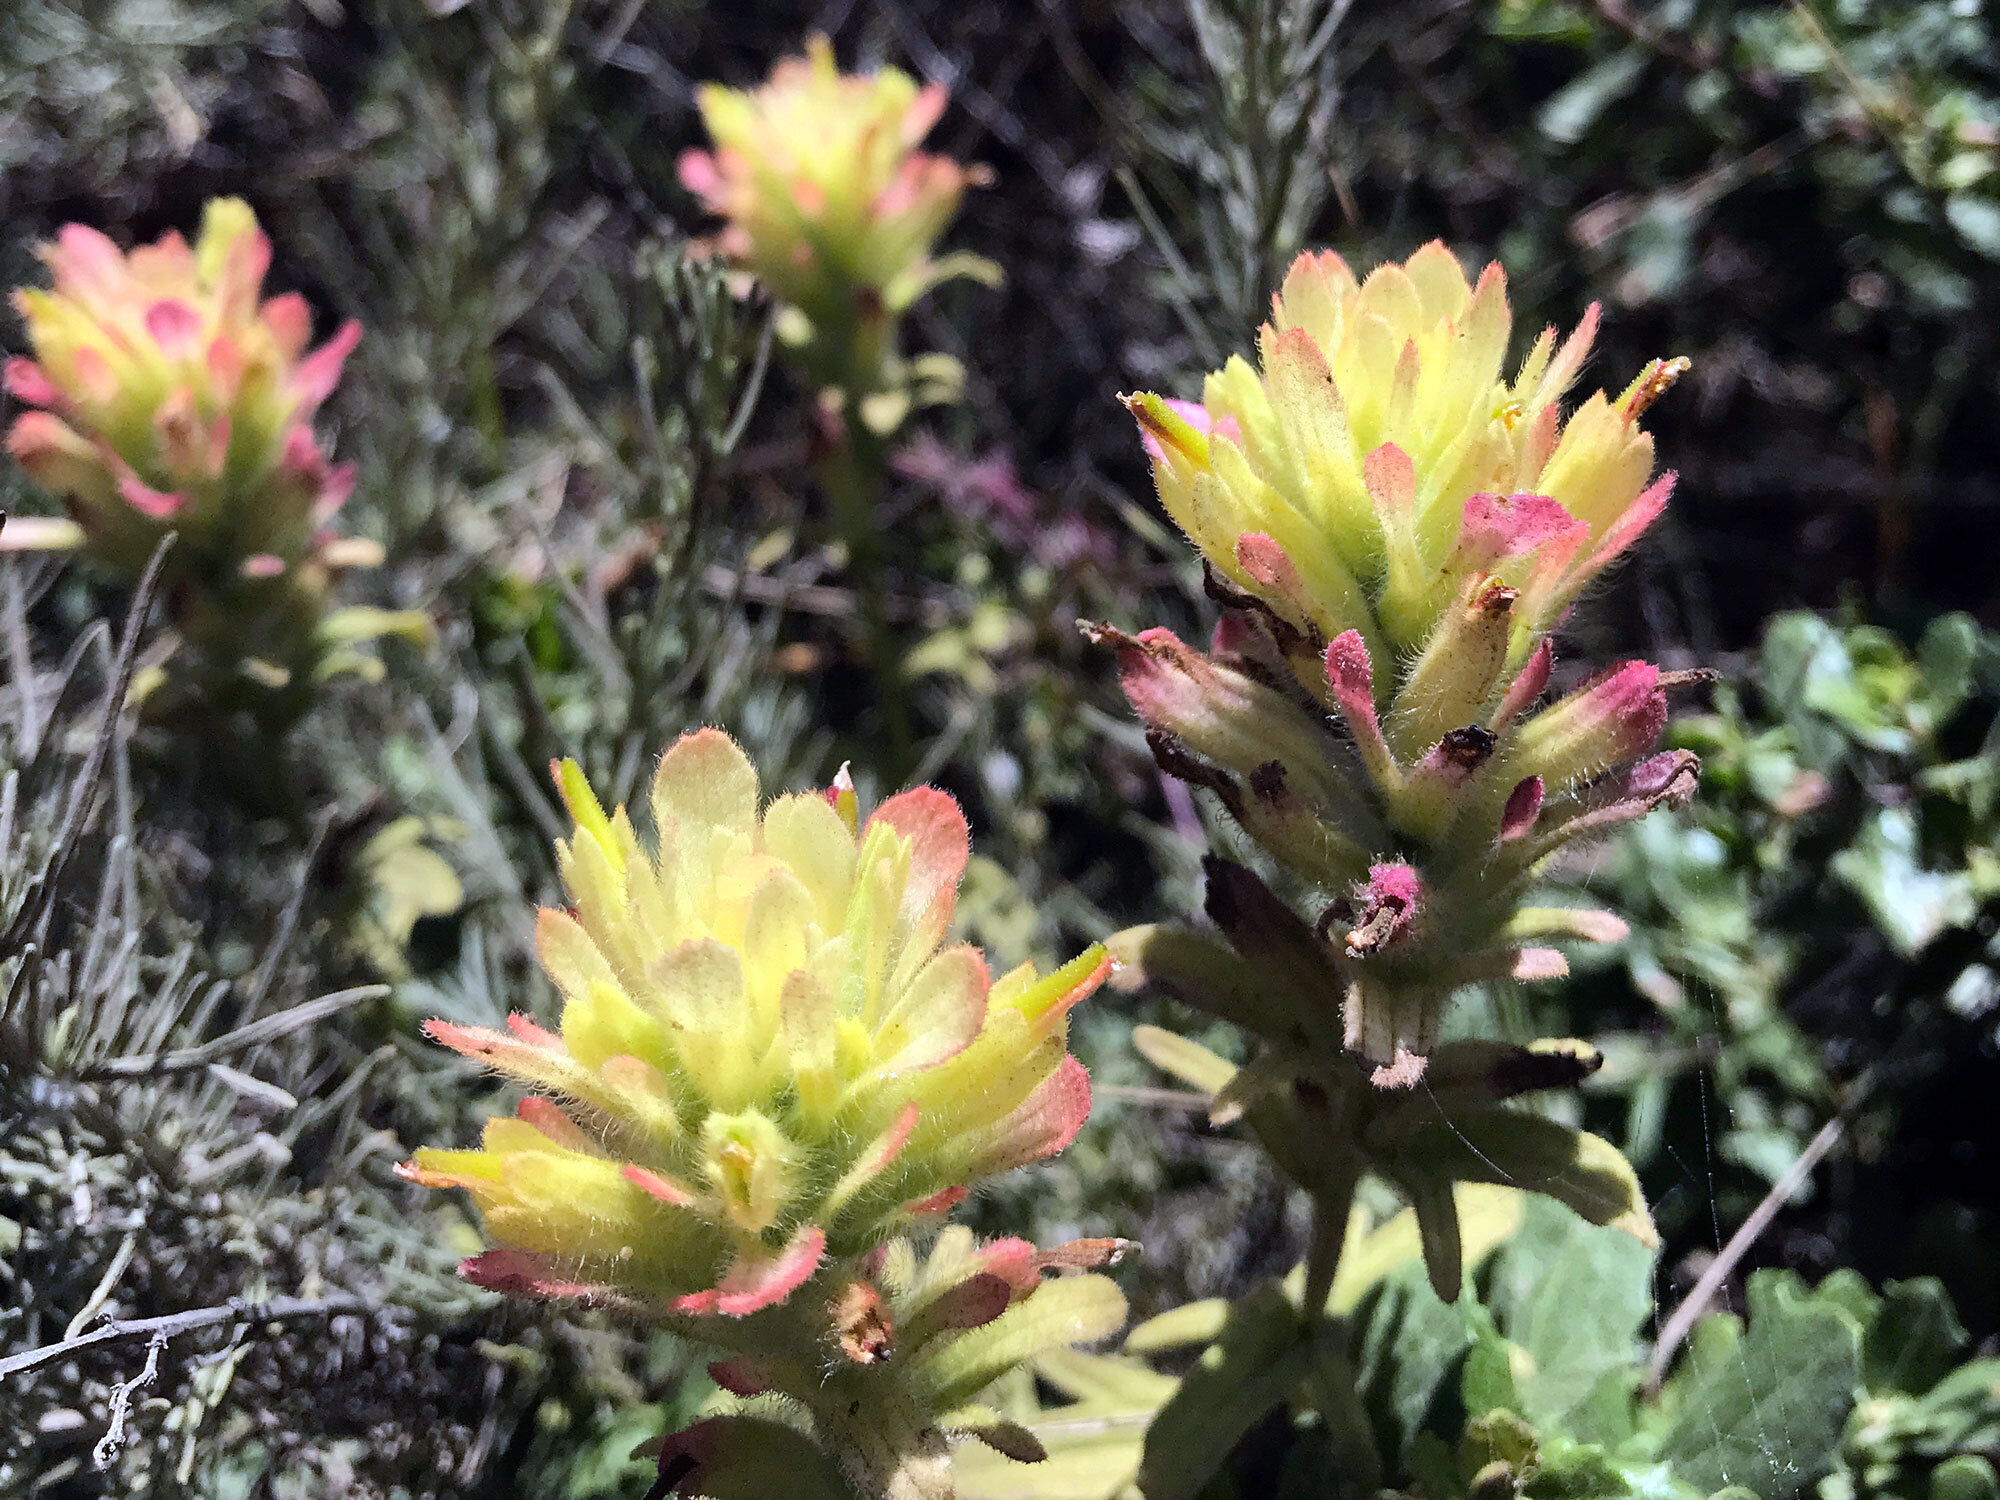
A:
[1570,112]
[1541,1155]
[1967,1476]
[362,622]
[1850,1289]
[1407,1347]
[1488,1216]
[1186,1060]
[1804,660]
[1094,1441]
[1946,656]
[1910,904]
[1179,1327]
[1330,1384]
[1915,1338]
[1584,1471]
[1202,974]
[1243,1375]
[1573,1297]
[1977,220]
[1769,1415]
[1962,1410]
[753,1458]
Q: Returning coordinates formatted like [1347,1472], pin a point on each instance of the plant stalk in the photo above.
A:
[853,473]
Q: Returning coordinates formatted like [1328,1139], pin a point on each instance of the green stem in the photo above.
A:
[853,473]
[887,1450]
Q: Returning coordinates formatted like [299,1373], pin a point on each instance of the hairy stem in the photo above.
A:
[887,1450]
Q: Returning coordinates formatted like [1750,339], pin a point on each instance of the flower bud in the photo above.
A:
[1458,674]
[1615,717]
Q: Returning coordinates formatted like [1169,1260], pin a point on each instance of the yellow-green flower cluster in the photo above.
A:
[767,1059]
[827,201]
[173,395]
[1381,460]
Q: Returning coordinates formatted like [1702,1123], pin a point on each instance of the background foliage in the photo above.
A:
[586,469]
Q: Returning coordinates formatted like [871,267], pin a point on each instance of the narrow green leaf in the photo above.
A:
[1186,1060]
[1247,1372]
[1536,1154]
[1202,974]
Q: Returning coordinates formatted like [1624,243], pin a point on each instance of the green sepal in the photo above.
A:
[749,1458]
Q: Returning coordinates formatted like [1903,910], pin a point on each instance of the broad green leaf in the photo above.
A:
[1946,656]
[1407,1346]
[1769,1417]
[1910,904]
[1962,1410]
[1913,1341]
[1966,1476]
[1573,1298]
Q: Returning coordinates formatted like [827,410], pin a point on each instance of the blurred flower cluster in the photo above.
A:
[1394,531]
[830,205]
[171,396]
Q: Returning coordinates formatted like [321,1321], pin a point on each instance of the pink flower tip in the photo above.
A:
[1389,906]
[1395,883]
[26,381]
[174,325]
[1498,526]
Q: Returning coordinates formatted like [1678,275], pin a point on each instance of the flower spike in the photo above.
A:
[825,199]
[769,1063]
[1401,524]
